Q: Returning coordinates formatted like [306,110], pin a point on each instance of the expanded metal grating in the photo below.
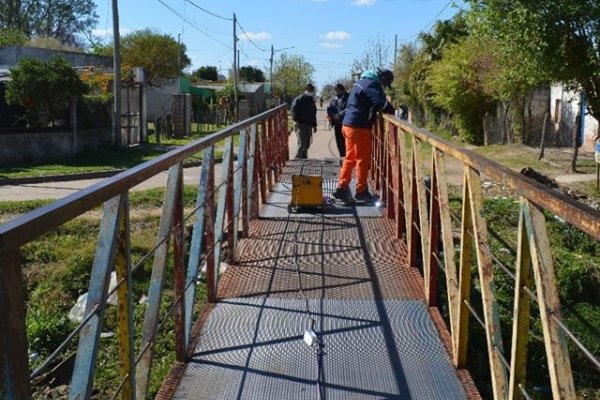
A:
[337,258]
[252,348]
[379,341]
[281,196]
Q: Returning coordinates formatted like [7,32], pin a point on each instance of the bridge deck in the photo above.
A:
[341,272]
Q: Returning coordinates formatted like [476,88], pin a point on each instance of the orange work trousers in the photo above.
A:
[358,154]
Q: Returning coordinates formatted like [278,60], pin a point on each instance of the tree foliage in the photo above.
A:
[551,40]
[69,21]
[206,73]
[251,74]
[159,54]
[458,83]
[413,67]
[44,88]
[290,74]
[376,55]
[11,37]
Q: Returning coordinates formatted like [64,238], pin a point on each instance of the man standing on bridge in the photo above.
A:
[366,98]
[304,114]
[335,112]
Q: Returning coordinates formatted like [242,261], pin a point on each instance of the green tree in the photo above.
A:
[69,21]
[206,73]
[458,81]
[326,91]
[251,74]
[413,67]
[44,89]
[159,54]
[11,37]
[551,40]
[290,74]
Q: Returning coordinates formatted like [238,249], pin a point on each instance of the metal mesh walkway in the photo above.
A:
[342,273]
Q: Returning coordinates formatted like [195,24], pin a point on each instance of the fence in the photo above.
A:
[220,207]
[424,201]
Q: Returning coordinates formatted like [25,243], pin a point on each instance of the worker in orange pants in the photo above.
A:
[358,155]
[367,97]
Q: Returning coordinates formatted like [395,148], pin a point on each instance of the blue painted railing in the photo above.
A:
[220,206]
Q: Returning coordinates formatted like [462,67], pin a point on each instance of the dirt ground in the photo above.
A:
[555,165]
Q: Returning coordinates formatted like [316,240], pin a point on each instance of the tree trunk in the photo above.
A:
[543,139]
[575,143]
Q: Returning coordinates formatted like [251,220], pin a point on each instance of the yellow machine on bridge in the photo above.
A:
[307,193]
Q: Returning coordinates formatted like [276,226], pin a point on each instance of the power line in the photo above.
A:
[248,37]
[430,22]
[192,24]
[208,12]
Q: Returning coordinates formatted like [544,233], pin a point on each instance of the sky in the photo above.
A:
[329,34]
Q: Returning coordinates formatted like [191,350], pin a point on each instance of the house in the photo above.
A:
[253,96]
[11,55]
[565,105]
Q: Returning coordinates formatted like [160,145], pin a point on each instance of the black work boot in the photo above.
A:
[365,196]
[342,194]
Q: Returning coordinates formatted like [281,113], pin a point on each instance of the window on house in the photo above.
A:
[557,111]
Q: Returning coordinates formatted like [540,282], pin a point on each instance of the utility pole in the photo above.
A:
[395,50]
[235,88]
[271,70]
[273,51]
[116,134]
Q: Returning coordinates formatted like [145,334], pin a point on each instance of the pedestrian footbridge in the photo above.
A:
[395,300]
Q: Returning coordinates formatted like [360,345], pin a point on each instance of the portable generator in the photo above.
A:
[307,192]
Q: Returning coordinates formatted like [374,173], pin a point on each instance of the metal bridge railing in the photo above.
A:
[418,198]
[221,205]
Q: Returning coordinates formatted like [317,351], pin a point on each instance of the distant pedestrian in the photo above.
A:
[304,114]
[321,102]
[367,97]
[335,113]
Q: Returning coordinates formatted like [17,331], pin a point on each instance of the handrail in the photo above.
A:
[583,217]
[39,221]
[422,215]
[261,153]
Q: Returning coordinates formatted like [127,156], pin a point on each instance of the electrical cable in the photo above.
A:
[193,25]
[208,12]
[248,37]
[427,26]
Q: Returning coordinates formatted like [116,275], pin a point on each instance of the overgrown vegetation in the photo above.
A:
[577,269]
[494,53]
[57,270]
[45,89]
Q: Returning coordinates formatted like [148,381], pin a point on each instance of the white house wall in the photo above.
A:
[159,98]
[564,106]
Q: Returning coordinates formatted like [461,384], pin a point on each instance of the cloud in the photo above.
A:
[336,35]
[253,63]
[330,45]
[361,3]
[254,36]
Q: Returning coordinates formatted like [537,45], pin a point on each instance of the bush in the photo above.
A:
[45,89]
[94,111]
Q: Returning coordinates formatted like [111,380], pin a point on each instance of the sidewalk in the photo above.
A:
[323,146]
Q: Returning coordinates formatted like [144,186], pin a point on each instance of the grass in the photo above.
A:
[107,159]
[57,269]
